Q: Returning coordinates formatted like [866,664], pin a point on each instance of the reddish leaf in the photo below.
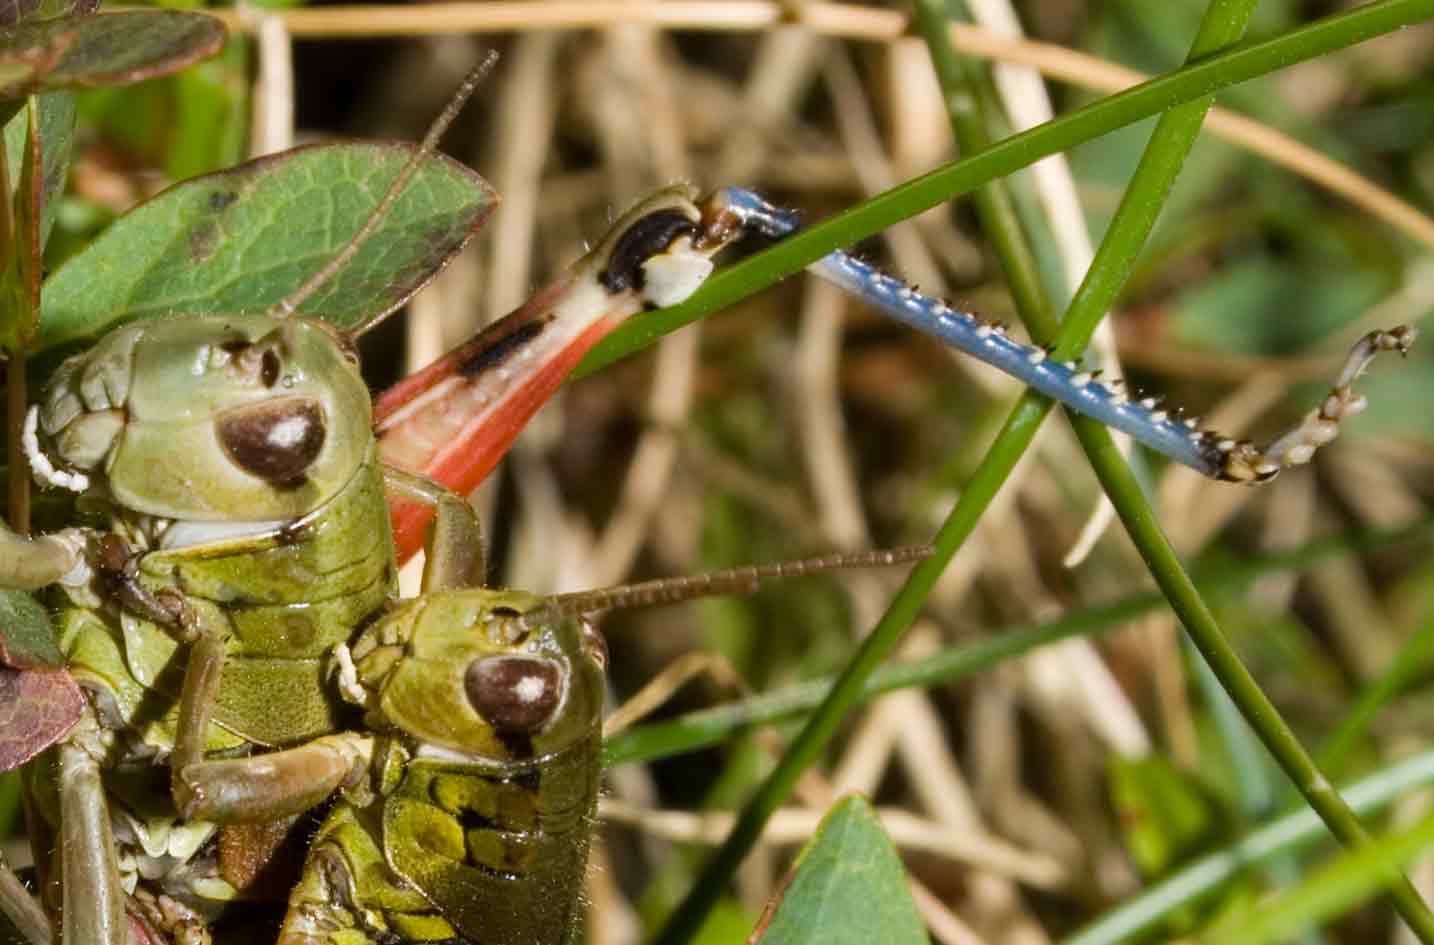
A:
[38,707]
[104,49]
[14,11]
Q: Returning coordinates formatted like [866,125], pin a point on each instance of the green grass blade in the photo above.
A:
[1328,892]
[1403,671]
[707,727]
[1283,837]
[1185,600]
[1012,154]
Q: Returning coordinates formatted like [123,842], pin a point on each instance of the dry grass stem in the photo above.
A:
[796,826]
[1023,93]
[271,128]
[942,922]
[846,22]
[670,678]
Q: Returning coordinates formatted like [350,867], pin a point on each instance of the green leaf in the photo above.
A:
[848,887]
[241,240]
[105,49]
[27,638]
[57,135]
[29,210]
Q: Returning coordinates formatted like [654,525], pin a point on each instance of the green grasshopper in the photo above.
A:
[472,824]
[201,611]
[196,632]
[471,786]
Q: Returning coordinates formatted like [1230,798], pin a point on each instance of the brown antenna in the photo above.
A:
[290,303]
[741,580]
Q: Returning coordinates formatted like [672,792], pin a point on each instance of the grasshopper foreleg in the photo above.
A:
[30,563]
[202,676]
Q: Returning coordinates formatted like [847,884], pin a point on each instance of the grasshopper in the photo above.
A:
[222,577]
[473,822]
[215,618]
[182,614]
[473,780]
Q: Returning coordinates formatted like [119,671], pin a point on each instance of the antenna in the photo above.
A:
[290,303]
[740,580]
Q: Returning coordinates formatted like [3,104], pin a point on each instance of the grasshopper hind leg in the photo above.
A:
[1143,418]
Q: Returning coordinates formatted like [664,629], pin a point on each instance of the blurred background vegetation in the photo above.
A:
[1032,797]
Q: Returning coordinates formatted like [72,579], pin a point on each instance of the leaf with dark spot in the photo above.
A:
[38,707]
[27,638]
[240,240]
[105,49]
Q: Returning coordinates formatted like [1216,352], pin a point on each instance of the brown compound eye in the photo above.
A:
[517,695]
[277,440]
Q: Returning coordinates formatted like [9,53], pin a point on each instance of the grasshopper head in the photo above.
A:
[454,672]
[211,418]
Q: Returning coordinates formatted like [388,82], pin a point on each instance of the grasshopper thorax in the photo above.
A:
[212,418]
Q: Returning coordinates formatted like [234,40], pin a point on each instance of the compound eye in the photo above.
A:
[277,440]
[517,695]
